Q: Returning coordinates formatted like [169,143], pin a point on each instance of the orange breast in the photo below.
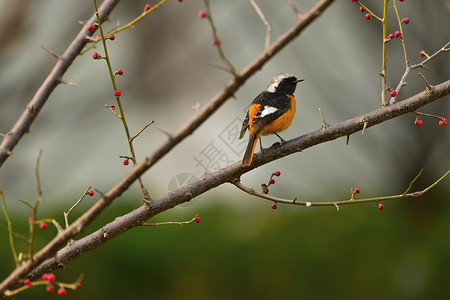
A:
[283,122]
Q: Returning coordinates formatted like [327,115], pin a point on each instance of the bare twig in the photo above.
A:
[35,207]
[66,214]
[264,20]
[230,68]
[422,64]
[9,224]
[336,204]
[194,219]
[295,9]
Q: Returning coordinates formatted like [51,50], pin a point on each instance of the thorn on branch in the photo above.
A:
[264,20]
[68,83]
[324,123]
[51,52]
[166,133]
[429,87]
[295,9]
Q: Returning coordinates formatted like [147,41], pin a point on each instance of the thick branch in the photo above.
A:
[23,124]
[13,137]
[229,174]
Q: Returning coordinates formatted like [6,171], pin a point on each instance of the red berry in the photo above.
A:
[112,37]
[272,181]
[274,206]
[356,191]
[202,14]
[406,20]
[30,220]
[119,72]
[126,161]
[393,93]
[44,276]
[197,219]
[27,282]
[180,1]
[78,284]
[50,277]
[443,121]
[50,288]
[117,93]
[362,9]
[92,27]
[380,206]
[263,185]
[91,193]
[353,0]
[62,291]
[398,34]
[112,107]
[147,7]
[95,55]
[277,173]
[368,16]
[266,191]
[43,225]
[391,36]
[216,42]
[422,53]
[402,0]
[418,121]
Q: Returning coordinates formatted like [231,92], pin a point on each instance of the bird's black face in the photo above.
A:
[283,83]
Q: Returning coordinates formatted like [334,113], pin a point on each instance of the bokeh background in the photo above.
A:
[242,248]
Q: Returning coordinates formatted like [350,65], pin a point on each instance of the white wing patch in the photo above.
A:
[268,110]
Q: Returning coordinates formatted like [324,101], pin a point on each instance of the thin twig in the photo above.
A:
[336,204]
[412,183]
[218,44]
[35,207]
[66,214]
[119,103]
[140,131]
[422,64]
[384,55]
[264,20]
[194,219]
[295,9]
[9,224]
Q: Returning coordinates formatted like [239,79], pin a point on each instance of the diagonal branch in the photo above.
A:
[204,184]
[23,124]
[12,138]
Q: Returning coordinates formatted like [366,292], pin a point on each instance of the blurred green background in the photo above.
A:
[242,248]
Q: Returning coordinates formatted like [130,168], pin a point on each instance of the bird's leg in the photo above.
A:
[282,140]
[260,145]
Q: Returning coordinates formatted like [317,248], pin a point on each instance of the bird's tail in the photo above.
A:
[248,156]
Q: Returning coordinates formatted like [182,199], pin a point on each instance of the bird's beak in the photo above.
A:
[299,80]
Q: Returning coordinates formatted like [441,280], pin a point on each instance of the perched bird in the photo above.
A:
[271,112]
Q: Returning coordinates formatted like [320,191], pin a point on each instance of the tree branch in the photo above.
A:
[205,183]
[12,138]
[23,124]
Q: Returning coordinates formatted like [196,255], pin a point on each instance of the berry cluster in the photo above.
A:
[418,121]
[264,186]
[49,280]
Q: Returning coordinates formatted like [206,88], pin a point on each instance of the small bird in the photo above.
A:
[271,112]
